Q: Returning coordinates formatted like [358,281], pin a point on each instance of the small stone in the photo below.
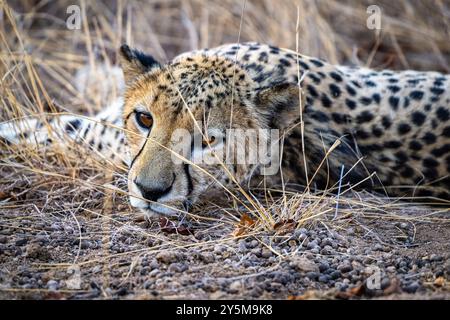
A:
[85,244]
[335,275]
[148,284]
[167,257]
[154,273]
[21,242]
[312,245]
[207,257]
[253,244]
[391,269]
[324,278]
[3,239]
[235,286]
[386,282]
[266,253]
[345,268]
[378,247]
[52,285]
[305,265]
[435,257]
[177,267]
[242,246]
[324,266]
[403,225]
[412,287]
[312,275]
[122,291]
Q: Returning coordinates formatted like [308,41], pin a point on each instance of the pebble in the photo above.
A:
[412,287]
[177,267]
[304,264]
[3,239]
[324,266]
[324,278]
[167,257]
[52,285]
[154,273]
[312,275]
[21,242]
[266,253]
[122,291]
[148,284]
[345,268]
[235,286]
[85,244]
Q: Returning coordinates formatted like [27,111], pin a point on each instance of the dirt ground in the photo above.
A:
[120,255]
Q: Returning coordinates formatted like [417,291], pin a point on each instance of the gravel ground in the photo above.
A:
[122,256]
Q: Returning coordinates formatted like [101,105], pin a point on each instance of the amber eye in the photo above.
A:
[211,141]
[144,120]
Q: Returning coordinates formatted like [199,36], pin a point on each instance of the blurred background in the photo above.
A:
[34,34]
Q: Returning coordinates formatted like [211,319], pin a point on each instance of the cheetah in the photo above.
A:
[385,131]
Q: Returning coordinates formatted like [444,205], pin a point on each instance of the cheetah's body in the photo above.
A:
[398,123]
[394,127]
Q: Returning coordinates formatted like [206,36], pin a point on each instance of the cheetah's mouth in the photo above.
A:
[156,209]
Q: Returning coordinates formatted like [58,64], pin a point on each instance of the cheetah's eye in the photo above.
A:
[211,140]
[144,120]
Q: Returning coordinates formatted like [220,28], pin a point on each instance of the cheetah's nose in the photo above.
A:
[153,193]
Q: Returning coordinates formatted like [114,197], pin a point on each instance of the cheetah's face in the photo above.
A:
[176,118]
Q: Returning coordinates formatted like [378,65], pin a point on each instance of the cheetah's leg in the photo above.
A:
[102,133]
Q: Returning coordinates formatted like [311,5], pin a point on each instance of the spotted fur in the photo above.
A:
[393,127]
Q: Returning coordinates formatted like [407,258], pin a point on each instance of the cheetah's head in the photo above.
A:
[176,119]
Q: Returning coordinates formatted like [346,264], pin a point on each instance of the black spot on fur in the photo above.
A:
[350,104]
[285,62]
[416,95]
[377,132]
[415,145]
[418,118]
[362,134]
[430,162]
[407,172]
[439,152]
[393,101]
[403,128]
[365,100]
[406,103]
[446,132]
[350,90]
[443,114]
[335,90]
[394,89]
[72,126]
[326,102]
[339,118]
[429,138]
[392,144]
[320,116]
[376,97]
[336,76]
[365,116]
[314,78]
[317,63]
[312,91]
[437,91]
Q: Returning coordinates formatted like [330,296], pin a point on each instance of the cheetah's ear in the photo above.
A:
[280,104]
[134,62]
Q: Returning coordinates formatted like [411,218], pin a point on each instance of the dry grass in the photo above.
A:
[39,58]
